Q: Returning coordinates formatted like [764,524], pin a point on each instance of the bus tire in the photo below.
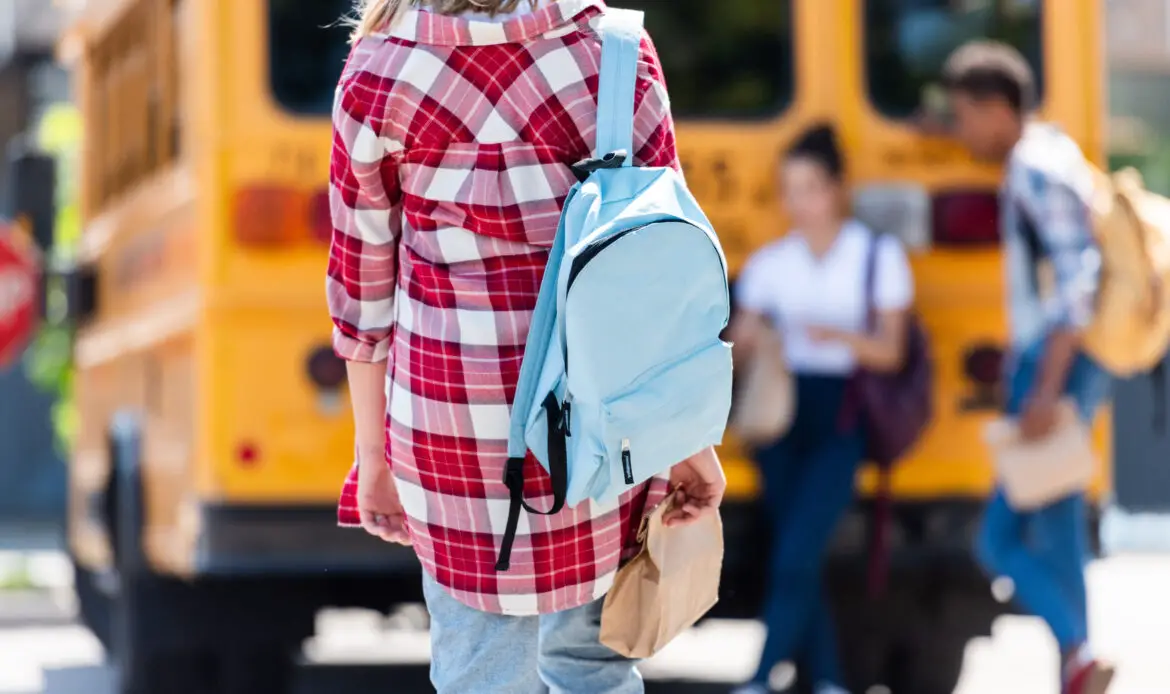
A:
[173,636]
[146,648]
[932,664]
[199,638]
[256,669]
[930,652]
[150,652]
[94,607]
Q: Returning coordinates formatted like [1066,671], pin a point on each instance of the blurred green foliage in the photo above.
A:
[49,360]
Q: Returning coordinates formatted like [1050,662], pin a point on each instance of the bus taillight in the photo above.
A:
[965,219]
[269,216]
[274,216]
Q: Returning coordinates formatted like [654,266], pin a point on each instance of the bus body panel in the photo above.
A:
[232,324]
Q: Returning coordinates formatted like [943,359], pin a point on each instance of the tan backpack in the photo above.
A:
[1130,330]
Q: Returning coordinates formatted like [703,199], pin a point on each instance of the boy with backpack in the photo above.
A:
[1054,259]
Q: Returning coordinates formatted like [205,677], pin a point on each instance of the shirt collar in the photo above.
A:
[561,16]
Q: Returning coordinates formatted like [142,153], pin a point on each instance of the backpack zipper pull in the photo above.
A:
[567,417]
[627,462]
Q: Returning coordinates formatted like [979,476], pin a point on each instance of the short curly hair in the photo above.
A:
[992,70]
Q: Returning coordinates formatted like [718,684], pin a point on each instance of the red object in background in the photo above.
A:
[20,270]
[966,218]
[247,454]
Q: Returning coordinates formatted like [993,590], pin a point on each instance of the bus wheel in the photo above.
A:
[929,653]
[94,606]
[175,637]
[257,669]
[931,665]
[152,648]
[941,674]
[153,636]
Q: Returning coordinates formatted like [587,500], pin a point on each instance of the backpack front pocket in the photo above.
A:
[666,415]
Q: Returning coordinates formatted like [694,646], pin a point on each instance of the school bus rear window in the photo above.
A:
[307,47]
[725,58]
[908,41]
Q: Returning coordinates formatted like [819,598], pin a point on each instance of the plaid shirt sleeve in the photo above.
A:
[365,202]
[1061,217]
[653,123]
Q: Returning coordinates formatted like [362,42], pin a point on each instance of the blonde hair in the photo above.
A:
[376,15]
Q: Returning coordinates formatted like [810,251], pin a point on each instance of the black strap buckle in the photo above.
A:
[585,168]
[514,475]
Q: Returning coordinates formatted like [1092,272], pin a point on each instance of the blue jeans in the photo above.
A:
[809,482]
[1043,552]
[475,652]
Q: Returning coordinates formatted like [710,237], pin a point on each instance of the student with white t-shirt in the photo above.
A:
[810,287]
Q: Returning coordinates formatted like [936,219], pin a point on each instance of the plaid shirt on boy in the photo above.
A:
[1049,184]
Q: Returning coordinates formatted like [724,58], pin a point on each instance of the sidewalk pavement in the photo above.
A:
[36,578]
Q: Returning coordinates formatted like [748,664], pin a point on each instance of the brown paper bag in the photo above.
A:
[1035,474]
[665,589]
[765,401]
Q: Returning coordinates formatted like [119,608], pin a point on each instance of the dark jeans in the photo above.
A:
[1044,551]
[809,481]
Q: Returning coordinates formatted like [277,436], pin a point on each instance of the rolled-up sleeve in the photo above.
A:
[1064,223]
[364,198]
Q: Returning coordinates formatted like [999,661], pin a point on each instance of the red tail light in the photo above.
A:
[247,454]
[965,218]
[275,216]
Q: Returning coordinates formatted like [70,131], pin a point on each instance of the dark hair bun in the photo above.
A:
[819,143]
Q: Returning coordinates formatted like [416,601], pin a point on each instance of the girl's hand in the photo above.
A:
[698,484]
[821,334]
[380,510]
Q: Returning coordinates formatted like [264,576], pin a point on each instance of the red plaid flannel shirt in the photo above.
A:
[452,145]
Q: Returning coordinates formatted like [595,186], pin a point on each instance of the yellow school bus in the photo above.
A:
[215,429]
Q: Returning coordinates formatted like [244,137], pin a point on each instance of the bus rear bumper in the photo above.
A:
[293,541]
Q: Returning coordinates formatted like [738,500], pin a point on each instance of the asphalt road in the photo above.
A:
[360,652]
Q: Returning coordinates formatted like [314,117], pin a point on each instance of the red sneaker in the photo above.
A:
[1093,677]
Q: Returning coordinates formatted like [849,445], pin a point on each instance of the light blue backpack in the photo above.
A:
[624,372]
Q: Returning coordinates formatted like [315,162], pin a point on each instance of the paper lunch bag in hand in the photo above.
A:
[765,401]
[1035,474]
[663,591]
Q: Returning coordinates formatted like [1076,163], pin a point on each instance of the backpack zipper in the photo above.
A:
[594,249]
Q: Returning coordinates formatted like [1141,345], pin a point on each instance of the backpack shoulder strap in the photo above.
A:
[540,334]
[871,263]
[621,46]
